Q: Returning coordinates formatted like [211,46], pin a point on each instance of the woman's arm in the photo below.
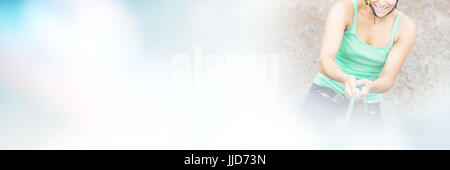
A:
[394,62]
[335,26]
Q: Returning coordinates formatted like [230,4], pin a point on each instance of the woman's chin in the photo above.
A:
[381,13]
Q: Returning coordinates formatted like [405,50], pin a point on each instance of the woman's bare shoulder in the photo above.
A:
[344,9]
[407,25]
[344,5]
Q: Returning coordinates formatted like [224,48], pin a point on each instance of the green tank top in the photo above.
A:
[359,59]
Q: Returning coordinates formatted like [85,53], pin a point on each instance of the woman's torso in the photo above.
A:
[358,58]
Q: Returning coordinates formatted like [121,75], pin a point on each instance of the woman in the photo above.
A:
[364,42]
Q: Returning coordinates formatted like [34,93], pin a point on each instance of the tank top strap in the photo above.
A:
[395,28]
[355,14]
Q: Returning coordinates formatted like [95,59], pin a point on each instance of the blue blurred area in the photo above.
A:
[164,22]
[175,25]
[168,27]
[10,14]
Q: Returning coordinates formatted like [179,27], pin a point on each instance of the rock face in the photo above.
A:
[422,87]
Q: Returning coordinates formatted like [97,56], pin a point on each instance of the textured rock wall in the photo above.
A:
[421,89]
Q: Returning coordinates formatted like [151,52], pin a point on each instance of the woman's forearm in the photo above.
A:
[330,69]
[381,85]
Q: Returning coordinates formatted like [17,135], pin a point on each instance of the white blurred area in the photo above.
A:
[97,75]
[110,74]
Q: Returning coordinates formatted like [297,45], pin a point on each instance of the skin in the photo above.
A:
[340,18]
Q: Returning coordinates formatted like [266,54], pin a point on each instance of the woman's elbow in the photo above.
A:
[322,64]
[388,87]
[388,84]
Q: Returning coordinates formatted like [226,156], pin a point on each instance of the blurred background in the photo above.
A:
[198,74]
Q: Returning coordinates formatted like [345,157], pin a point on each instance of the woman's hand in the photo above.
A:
[365,90]
[350,86]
